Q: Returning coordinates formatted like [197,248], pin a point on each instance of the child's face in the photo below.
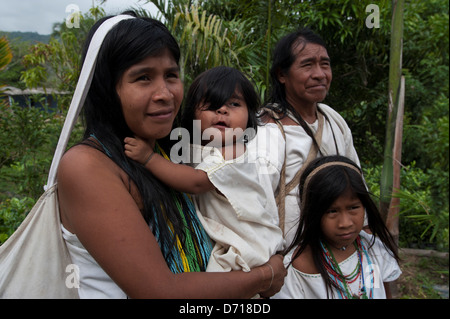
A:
[344,220]
[226,124]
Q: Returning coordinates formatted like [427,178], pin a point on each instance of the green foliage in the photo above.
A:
[259,25]
[5,53]
[11,75]
[27,138]
[26,141]
[423,213]
[25,37]
[61,58]
[12,212]
[56,64]
[429,138]
[204,41]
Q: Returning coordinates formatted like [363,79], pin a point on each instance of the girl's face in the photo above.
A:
[343,221]
[226,123]
[151,92]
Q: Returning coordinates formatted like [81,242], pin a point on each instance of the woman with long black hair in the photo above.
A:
[129,234]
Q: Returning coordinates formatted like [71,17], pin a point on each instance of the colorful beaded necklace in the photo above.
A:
[198,245]
[344,281]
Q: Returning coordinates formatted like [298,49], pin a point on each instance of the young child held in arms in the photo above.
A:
[235,203]
[331,256]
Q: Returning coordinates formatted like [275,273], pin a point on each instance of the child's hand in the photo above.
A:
[137,149]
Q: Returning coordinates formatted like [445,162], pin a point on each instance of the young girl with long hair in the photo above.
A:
[331,256]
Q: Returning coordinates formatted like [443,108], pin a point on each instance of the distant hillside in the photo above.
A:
[26,36]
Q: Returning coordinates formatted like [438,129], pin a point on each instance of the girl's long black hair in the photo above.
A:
[126,44]
[323,189]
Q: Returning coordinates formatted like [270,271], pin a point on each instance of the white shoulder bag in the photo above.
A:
[34,261]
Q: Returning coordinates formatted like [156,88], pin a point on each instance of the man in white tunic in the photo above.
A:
[301,77]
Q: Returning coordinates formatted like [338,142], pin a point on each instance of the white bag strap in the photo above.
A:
[81,90]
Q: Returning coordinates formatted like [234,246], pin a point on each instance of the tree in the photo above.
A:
[390,175]
[5,53]
[205,39]
[57,64]
[10,75]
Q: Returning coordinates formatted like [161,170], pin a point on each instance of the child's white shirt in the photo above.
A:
[242,219]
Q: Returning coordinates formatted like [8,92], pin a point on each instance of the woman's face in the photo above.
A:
[151,93]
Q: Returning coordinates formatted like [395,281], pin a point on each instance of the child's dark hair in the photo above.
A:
[214,88]
[322,189]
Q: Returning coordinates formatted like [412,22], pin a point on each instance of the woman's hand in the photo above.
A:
[278,272]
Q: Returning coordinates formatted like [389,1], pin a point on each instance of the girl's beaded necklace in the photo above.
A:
[344,281]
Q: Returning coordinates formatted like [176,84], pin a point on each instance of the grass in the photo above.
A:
[423,277]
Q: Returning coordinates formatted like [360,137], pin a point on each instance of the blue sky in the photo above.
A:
[39,15]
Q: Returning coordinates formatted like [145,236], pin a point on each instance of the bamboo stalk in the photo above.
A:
[390,174]
[392,220]
[395,70]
